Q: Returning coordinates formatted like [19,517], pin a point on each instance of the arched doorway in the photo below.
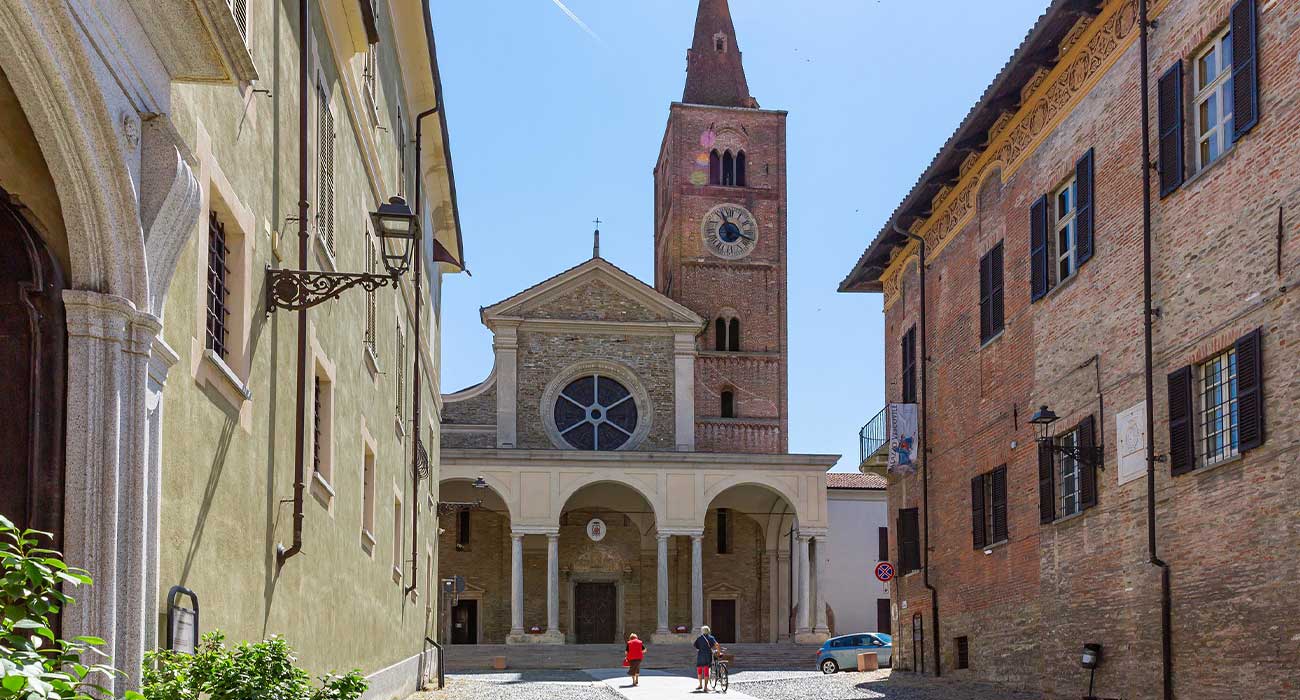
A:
[33,366]
[748,576]
[475,544]
[607,563]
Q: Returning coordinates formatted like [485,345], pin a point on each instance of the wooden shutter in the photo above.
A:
[978,536]
[1087,444]
[1169,124]
[1046,483]
[995,287]
[325,194]
[909,541]
[986,307]
[1083,217]
[1182,441]
[883,533]
[999,494]
[1038,249]
[1250,391]
[1245,68]
[909,365]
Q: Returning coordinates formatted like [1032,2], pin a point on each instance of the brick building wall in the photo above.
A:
[1226,260]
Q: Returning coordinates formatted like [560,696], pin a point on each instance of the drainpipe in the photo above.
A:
[1166,640]
[925,460]
[300,416]
[415,404]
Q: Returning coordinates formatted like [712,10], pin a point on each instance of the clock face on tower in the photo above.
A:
[729,231]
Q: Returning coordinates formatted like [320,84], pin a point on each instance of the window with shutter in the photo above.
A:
[1245,70]
[1071,481]
[909,366]
[977,513]
[1218,418]
[883,544]
[1213,114]
[1250,390]
[1038,264]
[325,174]
[1087,432]
[1182,444]
[1046,483]
[909,540]
[998,499]
[1083,217]
[991,311]
[1169,123]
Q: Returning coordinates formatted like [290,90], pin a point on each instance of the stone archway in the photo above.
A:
[475,544]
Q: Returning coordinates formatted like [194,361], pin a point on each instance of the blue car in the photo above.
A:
[842,651]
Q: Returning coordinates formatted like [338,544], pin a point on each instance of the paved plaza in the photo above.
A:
[613,684]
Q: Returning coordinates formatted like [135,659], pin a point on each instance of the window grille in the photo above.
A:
[1071,478]
[371,263]
[1219,423]
[218,287]
[239,8]
[963,652]
[325,179]
[315,427]
[1213,115]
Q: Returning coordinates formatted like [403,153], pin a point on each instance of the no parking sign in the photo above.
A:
[884,571]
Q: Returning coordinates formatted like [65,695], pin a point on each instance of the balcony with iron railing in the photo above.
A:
[873,444]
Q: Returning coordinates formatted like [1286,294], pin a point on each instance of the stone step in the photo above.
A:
[479,657]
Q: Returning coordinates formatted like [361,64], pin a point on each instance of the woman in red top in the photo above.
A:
[635,653]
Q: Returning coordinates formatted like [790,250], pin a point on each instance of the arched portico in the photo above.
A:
[473,526]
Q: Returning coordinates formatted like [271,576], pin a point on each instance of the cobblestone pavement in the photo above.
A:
[764,685]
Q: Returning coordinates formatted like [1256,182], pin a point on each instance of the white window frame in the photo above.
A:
[368,462]
[399,535]
[1069,475]
[1217,418]
[1220,89]
[1064,224]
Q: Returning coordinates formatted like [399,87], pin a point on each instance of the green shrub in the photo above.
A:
[34,663]
[263,670]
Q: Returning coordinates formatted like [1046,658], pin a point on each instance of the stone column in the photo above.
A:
[822,558]
[697,581]
[804,625]
[516,584]
[661,597]
[553,582]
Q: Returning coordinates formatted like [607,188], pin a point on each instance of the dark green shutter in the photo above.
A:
[1169,124]
[978,538]
[909,540]
[1038,249]
[1046,483]
[1182,440]
[1245,68]
[986,307]
[1250,391]
[1087,445]
[1083,217]
[999,489]
[995,288]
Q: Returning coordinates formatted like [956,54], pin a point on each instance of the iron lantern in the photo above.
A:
[1091,656]
[1043,419]
[397,227]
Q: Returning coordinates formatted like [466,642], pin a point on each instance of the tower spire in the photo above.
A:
[595,239]
[714,74]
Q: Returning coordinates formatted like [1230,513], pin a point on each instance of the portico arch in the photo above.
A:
[567,491]
[474,544]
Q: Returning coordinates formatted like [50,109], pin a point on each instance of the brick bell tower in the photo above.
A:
[720,241]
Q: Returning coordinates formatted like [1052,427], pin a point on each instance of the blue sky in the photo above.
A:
[553,125]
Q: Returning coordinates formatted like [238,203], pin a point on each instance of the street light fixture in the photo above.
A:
[1091,660]
[397,228]
[1042,420]
[448,507]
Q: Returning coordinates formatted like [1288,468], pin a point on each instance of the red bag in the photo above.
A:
[625,661]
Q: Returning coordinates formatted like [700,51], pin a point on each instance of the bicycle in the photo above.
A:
[718,672]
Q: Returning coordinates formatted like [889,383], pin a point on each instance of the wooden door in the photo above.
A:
[723,615]
[33,347]
[596,613]
[464,622]
[884,620]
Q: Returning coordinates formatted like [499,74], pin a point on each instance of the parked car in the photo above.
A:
[842,651]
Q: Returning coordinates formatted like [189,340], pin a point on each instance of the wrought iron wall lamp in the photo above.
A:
[1042,420]
[295,290]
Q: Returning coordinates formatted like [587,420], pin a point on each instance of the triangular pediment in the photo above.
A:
[595,291]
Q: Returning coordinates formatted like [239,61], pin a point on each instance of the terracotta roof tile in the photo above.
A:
[850,480]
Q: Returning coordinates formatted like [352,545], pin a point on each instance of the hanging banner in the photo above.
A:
[902,438]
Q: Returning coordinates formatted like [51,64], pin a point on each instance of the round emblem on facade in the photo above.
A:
[596,529]
[729,231]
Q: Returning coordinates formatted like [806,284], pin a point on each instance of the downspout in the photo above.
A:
[300,415]
[415,404]
[1166,640]
[925,459]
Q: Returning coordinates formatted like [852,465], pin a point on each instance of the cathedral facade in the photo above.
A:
[629,448]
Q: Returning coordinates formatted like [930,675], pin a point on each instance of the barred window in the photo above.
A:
[218,287]
[400,359]
[315,426]
[325,175]
[1219,407]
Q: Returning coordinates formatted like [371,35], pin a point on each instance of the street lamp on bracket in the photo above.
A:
[295,290]
[449,507]
[1042,420]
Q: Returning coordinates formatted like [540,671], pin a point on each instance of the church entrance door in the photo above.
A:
[723,615]
[596,613]
[464,622]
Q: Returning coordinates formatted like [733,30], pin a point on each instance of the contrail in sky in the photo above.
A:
[578,21]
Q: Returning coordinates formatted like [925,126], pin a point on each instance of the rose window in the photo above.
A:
[595,413]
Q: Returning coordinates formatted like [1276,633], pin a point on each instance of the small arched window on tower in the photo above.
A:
[728,408]
[720,42]
[726,331]
[728,169]
[733,335]
[740,169]
[715,168]
[720,329]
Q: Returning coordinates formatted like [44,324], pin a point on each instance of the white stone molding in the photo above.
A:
[553,582]
[516,583]
[804,625]
[822,551]
[615,370]
[684,353]
[170,207]
[505,343]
